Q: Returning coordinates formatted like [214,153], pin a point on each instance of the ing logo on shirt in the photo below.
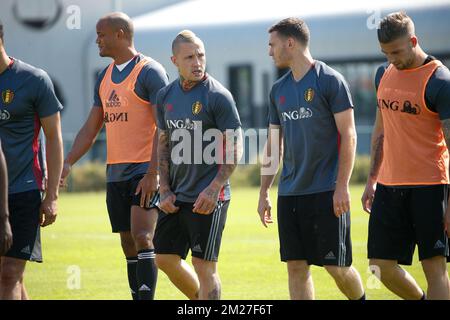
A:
[196,107]
[7,96]
[309,95]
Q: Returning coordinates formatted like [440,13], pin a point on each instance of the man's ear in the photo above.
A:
[290,42]
[174,60]
[120,34]
[414,41]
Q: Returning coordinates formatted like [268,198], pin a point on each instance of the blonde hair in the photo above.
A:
[185,36]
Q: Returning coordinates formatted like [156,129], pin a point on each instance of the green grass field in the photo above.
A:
[81,243]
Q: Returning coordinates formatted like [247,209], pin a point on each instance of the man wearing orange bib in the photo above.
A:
[124,100]
[407,188]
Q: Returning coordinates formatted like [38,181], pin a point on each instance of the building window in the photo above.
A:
[241,87]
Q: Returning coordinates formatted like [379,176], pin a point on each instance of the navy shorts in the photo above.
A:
[120,197]
[176,233]
[309,230]
[402,218]
[24,217]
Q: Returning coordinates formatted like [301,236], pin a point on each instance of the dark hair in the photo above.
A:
[1,30]
[394,26]
[292,27]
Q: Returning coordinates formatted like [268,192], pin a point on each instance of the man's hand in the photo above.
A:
[368,196]
[264,209]
[67,167]
[148,186]
[167,201]
[207,200]
[341,200]
[48,211]
[5,235]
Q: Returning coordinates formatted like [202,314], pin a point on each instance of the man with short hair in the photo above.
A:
[311,123]
[124,100]
[407,187]
[195,193]
[28,102]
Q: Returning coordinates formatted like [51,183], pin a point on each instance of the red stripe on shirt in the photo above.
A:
[222,156]
[36,165]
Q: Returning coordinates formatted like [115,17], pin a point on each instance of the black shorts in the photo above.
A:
[120,197]
[24,218]
[176,233]
[404,217]
[309,230]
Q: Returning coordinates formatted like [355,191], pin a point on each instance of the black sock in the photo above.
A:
[132,280]
[147,274]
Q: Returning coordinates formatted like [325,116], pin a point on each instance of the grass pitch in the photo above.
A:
[83,259]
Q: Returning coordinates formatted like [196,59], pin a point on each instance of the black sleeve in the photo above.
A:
[225,111]
[160,122]
[338,93]
[97,100]
[152,78]
[46,102]
[273,113]
[437,92]
[379,74]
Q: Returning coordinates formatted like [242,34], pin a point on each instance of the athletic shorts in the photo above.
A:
[24,218]
[120,197]
[309,230]
[178,232]
[403,217]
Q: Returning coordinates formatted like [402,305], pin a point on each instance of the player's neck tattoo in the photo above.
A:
[189,84]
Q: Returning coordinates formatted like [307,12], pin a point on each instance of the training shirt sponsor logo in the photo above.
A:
[301,113]
[7,96]
[4,115]
[394,105]
[181,124]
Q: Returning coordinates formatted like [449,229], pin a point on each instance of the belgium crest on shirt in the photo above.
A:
[196,107]
[309,95]
[7,96]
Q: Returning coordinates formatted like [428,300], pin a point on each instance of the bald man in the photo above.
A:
[124,100]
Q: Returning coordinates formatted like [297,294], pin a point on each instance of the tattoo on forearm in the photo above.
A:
[163,157]
[446,130]
[232,153]
[377,152]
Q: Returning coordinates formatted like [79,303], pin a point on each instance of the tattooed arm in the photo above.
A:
[376,157]
[167,197]
[446,131]
[207,199]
